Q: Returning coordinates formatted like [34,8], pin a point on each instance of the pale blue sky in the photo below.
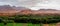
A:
[33,4]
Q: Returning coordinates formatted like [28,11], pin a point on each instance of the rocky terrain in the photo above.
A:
[7,10]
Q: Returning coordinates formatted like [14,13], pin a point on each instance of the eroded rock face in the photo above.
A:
[7,10]
[41,12]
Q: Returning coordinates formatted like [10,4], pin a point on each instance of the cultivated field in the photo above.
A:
[29,24]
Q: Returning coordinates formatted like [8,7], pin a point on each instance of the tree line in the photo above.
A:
[46,19]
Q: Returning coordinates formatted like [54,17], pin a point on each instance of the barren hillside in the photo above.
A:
[7,10]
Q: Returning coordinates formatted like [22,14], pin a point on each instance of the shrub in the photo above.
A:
[37,19]
[32,19]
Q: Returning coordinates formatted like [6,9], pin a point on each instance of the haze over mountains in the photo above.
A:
[7,10]
[10,10]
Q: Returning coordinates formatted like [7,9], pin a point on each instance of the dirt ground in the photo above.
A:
[58,24]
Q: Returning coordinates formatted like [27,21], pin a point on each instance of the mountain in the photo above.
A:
[20,8]
[7,10]
[26,12]
[47,10]
[41,12]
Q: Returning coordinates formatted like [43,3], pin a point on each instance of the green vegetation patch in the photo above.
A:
[1,24]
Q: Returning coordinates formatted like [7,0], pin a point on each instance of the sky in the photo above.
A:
[33,4]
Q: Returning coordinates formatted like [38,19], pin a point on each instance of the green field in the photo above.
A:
[26,24]
[20,24]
